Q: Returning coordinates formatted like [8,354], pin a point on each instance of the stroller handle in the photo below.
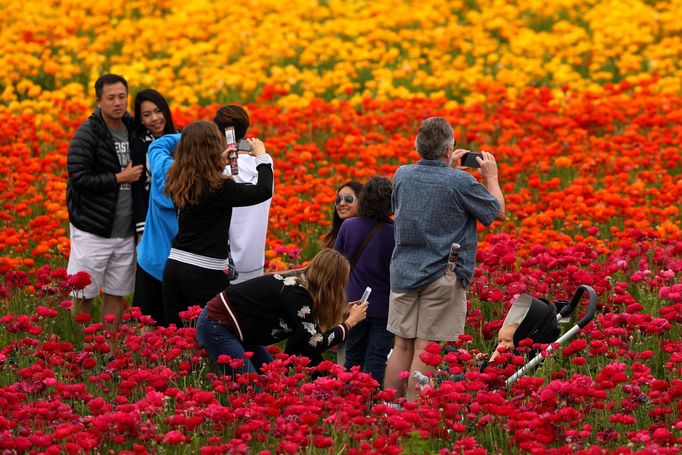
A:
[591,306]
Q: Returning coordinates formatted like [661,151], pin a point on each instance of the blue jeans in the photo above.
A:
[219,341]
[368,345]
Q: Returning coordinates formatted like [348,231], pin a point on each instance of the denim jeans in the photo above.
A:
[368,345]
[219,341]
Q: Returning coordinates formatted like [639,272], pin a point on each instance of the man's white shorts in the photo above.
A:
[110,263]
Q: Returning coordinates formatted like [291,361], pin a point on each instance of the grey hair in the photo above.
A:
[434,137]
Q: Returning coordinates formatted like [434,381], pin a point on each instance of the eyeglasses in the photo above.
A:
[349,198]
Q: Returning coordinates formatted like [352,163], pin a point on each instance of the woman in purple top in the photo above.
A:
[345,206]
[369,342]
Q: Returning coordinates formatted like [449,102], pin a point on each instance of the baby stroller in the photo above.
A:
[539,320]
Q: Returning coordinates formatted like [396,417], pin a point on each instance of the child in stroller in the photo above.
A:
[528,317]
[505,340]
[538,320]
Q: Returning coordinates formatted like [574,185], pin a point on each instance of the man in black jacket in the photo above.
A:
[99,201]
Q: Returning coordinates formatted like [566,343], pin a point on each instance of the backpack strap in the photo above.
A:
[372,232]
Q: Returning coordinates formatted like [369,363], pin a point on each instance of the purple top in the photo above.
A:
[373,267]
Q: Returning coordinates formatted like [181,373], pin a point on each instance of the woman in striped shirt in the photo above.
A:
[196,268]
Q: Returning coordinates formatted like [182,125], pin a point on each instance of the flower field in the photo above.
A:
[581,103]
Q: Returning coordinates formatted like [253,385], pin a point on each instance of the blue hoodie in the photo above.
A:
[161,223]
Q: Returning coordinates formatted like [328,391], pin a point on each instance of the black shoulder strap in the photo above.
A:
[363,245]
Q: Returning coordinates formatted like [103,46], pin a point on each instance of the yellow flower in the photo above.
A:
[379,48]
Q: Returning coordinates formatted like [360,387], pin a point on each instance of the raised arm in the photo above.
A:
[160,160]
[489,174]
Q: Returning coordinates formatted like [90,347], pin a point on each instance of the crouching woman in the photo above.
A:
[309,302]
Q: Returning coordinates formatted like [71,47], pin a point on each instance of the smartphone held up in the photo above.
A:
[469,159]
[232,155]
[243,146]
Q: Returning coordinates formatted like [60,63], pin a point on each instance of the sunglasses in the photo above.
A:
[349,198]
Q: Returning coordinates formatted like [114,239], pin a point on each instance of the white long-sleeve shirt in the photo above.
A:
[249,226]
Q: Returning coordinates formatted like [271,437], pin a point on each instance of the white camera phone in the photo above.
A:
[365,295]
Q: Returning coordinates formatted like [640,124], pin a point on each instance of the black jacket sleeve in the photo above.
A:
[233,194]
[80,163]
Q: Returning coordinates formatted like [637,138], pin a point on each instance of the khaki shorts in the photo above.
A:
[435,312]
[109,261]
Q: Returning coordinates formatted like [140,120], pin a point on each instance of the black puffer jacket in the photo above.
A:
[92,191]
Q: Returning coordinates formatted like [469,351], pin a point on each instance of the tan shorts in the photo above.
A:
[435,312]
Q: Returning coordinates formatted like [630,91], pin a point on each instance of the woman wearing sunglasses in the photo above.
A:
[345,206]
[368,241]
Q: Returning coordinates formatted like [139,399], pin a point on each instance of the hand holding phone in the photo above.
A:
[488,166]
[363,299]
[358,310]
[365,295]
[257,147]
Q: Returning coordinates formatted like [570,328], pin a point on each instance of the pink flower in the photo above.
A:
[46,312]
[663,435]
[289,447]
[175,437]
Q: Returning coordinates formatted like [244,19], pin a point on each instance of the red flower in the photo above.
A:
[431,359]
[289,447]
[433,348]
[79,281]
[576,345]
[191,313]
[82,318]
[175,437]
[223,359]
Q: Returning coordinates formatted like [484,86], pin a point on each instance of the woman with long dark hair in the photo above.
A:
[152,120]
[345,206]
[196,268]
[309,303]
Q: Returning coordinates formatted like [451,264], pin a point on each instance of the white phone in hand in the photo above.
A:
[365,295]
